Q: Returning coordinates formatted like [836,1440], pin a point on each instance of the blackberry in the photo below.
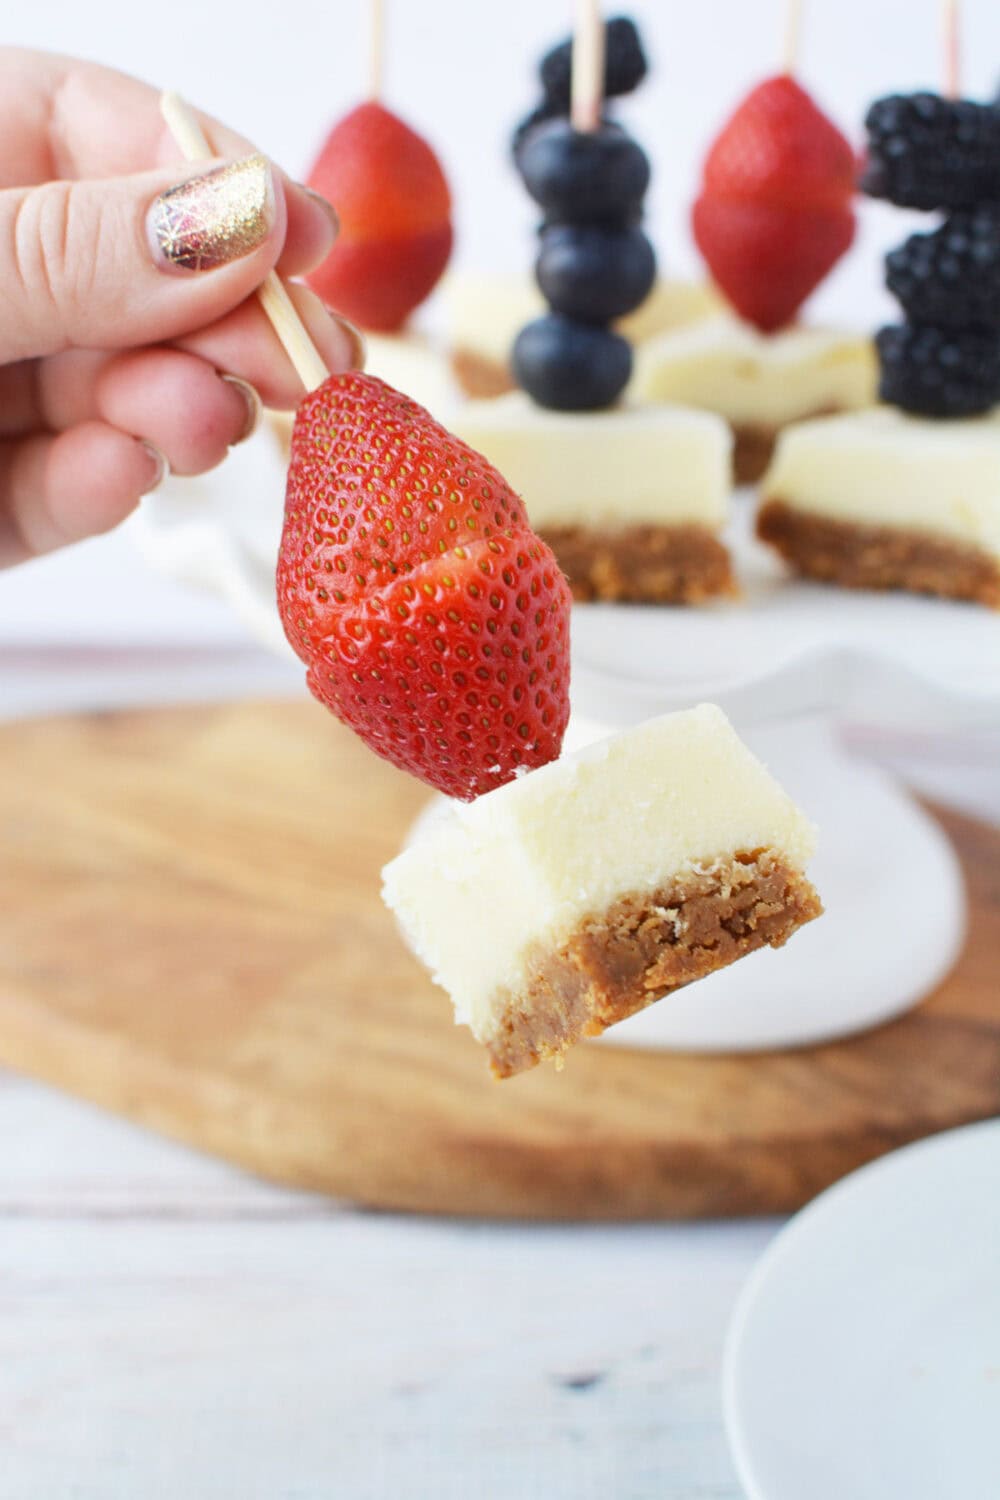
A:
[625,65]
[939,372]
[951,278]
[929,152]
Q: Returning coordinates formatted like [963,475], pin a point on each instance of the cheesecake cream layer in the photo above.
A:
[499,890]
[882,468]
[484,313]
[633,464]
[756,380]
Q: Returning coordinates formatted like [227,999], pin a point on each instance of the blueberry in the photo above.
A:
[625,64]
[539,116]
[584,177]
[571,366]
[593,273]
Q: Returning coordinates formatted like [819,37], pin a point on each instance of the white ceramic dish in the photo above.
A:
[785,648]
[863,1359]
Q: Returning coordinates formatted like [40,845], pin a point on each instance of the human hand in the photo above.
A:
[126,290]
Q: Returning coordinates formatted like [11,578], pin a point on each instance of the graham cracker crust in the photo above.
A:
[479,376]
[683,564]
[857,556]
[753,449]
[645,947]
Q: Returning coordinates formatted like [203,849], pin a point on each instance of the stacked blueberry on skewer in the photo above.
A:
[631,496]
[928,152]
[594,262]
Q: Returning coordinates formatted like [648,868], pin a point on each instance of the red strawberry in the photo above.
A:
[768,259]
[395,218]
[775,212]
[432,620]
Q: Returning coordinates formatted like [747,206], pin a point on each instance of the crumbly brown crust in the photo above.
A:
[683,564]
[879,557]
[645,947]
[753,449]
[479,376]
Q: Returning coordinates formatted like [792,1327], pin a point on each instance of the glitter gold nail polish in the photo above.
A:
[213,219]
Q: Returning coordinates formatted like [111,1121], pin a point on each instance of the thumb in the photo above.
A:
[133,260]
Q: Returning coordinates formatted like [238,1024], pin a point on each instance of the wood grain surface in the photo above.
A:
[191,935]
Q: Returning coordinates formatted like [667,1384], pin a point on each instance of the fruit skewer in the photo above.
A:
[394,205]
[586,79]
[775,213]
[376,49]
[792,36]
[431,619]
[941,152]
[950,26]
[594,263]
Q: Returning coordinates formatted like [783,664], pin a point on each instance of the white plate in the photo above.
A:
[863,1360]
[791,646]
[786,647]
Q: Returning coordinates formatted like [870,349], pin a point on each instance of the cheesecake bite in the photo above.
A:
[758,382]
[581,893]
[483,313]
[631,499]
[881,499]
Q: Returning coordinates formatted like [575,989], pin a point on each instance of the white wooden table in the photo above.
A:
[170,1328]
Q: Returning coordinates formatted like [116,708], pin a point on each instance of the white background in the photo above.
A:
[462,73]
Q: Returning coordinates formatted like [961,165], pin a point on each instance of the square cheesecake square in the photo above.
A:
[758,382]
[879,499]
[567,900]
[485,311]
[631,500]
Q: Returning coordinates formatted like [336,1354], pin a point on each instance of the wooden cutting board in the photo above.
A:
[191,935]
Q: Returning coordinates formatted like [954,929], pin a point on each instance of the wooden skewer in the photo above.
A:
[950,25]
[272,294]
[587,81]
[376,49]
[793,35]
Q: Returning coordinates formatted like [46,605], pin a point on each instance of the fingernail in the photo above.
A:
[213,219]
[161,467]
[325,205]
[358,356]
[253,403]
